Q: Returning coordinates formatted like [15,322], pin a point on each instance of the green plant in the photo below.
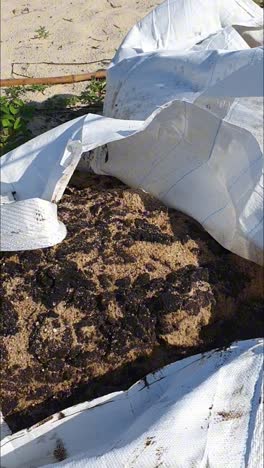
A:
[15,92]
[41,33]
[36,88]
[61,102]
[18,91]
[94,93]
[14,117]
[16,114]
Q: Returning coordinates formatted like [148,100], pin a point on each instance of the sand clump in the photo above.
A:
[133,287]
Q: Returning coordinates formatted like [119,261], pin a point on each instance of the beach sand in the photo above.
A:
[133,287]
[83,36]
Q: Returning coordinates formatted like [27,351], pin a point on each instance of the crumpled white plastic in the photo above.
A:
[183,121]
[205,410]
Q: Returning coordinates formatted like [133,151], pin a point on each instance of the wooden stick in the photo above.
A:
[52,80]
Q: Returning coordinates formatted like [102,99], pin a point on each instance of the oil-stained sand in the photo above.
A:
[133,287]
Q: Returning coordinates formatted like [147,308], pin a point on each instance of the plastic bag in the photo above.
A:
[202,411]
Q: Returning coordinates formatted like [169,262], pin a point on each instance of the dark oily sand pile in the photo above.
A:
[133,287]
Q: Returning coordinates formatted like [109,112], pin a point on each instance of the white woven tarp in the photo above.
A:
[203,411]
[183,121]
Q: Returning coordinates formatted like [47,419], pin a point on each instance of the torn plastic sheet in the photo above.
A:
[205,410]
[183,121]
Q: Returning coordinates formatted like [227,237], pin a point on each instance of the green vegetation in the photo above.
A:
[94,92]
[93,95]
[18,91]
[16,113]
[61,102]
[41,33]
[14,118]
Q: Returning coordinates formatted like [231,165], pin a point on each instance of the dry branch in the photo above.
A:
[52,80]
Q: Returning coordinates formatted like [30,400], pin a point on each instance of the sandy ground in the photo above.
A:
[83,36]
[133,287]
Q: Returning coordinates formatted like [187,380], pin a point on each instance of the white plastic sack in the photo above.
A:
[4,429]
[205,410]
[184,107]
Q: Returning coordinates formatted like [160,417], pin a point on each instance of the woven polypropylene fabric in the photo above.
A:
[202,411]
